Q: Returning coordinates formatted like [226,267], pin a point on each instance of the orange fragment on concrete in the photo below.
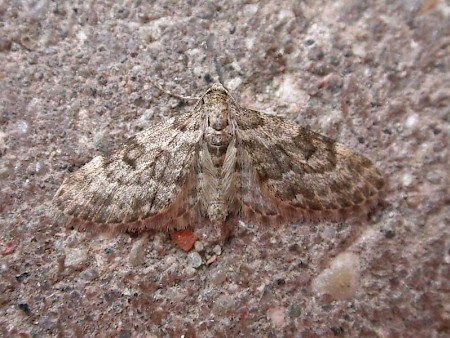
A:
[185,239]
[211,260]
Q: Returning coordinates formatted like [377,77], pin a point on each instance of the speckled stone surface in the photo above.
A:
[372,74]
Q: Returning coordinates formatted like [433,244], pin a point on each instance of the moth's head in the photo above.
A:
[217,87]
[216,96]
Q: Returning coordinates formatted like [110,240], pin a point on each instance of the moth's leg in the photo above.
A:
[226,232]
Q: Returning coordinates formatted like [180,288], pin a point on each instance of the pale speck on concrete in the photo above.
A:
[407,179]
[341,279]
[75,257]
[234,83]
[277,316]
[411,121]
[290,92]
[22,127]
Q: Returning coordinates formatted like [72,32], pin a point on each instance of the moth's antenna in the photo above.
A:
[219,72]
[180,97]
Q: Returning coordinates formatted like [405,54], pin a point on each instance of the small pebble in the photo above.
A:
[198,246]
[294,311]
[102,141]
[217,250]
[434,177]
[75,258]
[4,172]
[234,83]
[143,121]
[190,272]
[137,252]
[407,179]
[89,275]
[22,127]
[218,277]
[194,259]
[411,121]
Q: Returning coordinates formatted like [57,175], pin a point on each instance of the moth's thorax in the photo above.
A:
[218,133]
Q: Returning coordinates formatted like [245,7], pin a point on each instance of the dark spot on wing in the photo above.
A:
[132,152]
[249,119]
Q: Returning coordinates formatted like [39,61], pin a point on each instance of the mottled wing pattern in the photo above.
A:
[148,183]
[291,173]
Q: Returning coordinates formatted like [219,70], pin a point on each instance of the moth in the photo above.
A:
[215,165]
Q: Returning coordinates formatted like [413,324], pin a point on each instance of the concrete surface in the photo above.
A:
[74,82]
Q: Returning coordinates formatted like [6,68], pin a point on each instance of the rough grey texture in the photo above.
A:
[374,75]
